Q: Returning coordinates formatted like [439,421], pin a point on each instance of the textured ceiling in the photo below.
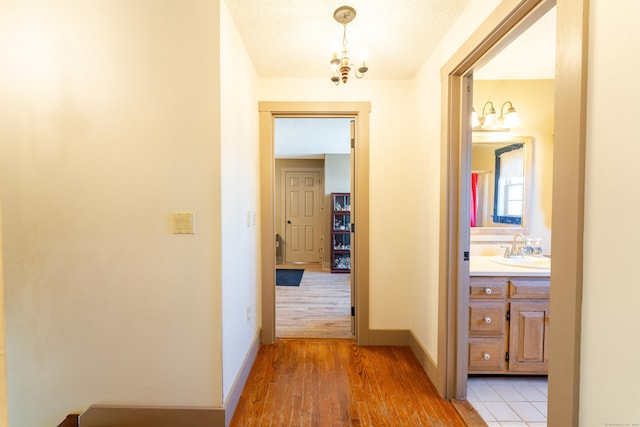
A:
[296,38]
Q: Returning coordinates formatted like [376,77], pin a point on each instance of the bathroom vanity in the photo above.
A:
[508,317]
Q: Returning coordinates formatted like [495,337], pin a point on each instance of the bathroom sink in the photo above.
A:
[526,262]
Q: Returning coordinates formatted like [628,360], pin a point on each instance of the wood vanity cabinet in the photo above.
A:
[508,325]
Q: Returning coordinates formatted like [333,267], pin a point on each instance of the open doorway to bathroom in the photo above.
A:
[313,184]
[503,25]
[511,177]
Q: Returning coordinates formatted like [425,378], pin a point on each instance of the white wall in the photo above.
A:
[392,141]
[240,200]
[109,116]
[425,237]
[609,392]
[337,173]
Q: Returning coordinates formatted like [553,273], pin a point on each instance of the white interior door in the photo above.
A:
[303,220]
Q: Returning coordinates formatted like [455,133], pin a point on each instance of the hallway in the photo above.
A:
[337,383]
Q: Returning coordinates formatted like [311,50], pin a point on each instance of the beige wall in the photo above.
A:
[609,371]
[240,308]
[110,122]
[426,233]
[424,242]
[533,99]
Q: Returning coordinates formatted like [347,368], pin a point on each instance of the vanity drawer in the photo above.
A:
[529,288]
[487,318]
[486,355]
[493,288]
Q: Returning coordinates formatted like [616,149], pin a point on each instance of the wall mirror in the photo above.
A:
[501,184]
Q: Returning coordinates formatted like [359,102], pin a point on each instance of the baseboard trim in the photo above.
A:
[427,363]
[151,416]
[389,337]
[241,379]
[103,415]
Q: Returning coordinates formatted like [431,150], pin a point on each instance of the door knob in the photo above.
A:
[289,222]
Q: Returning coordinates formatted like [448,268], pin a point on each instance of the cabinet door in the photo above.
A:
[528,349]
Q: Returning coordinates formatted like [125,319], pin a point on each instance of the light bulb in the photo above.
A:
[511,120]
[474,118]
[490,120]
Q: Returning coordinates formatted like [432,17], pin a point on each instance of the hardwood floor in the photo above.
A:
[319,308]
[337,383]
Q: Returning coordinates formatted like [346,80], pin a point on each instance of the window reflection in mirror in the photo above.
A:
[500,184]
[509,185]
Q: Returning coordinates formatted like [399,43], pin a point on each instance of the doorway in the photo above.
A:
[359,112]
[504,24]
[511,195]
[312,164]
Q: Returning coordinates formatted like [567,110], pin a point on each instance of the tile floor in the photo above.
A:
[509,401]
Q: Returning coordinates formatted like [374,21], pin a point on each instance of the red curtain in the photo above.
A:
[474,198]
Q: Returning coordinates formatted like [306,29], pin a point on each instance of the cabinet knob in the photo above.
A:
[488,291]
[487,319]
[487,356]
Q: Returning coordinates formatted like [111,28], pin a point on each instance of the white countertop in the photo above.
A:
[484,266]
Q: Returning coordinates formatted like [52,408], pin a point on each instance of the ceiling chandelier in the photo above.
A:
[342,65]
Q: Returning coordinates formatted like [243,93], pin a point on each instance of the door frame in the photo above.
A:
[268,111]
[283,207]
[505,23]
[4,417]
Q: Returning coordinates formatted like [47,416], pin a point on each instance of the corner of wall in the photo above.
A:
[427,363]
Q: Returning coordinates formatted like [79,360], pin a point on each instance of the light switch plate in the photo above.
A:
[184,223]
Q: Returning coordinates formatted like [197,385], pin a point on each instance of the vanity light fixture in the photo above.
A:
[342,65]
[489,120]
